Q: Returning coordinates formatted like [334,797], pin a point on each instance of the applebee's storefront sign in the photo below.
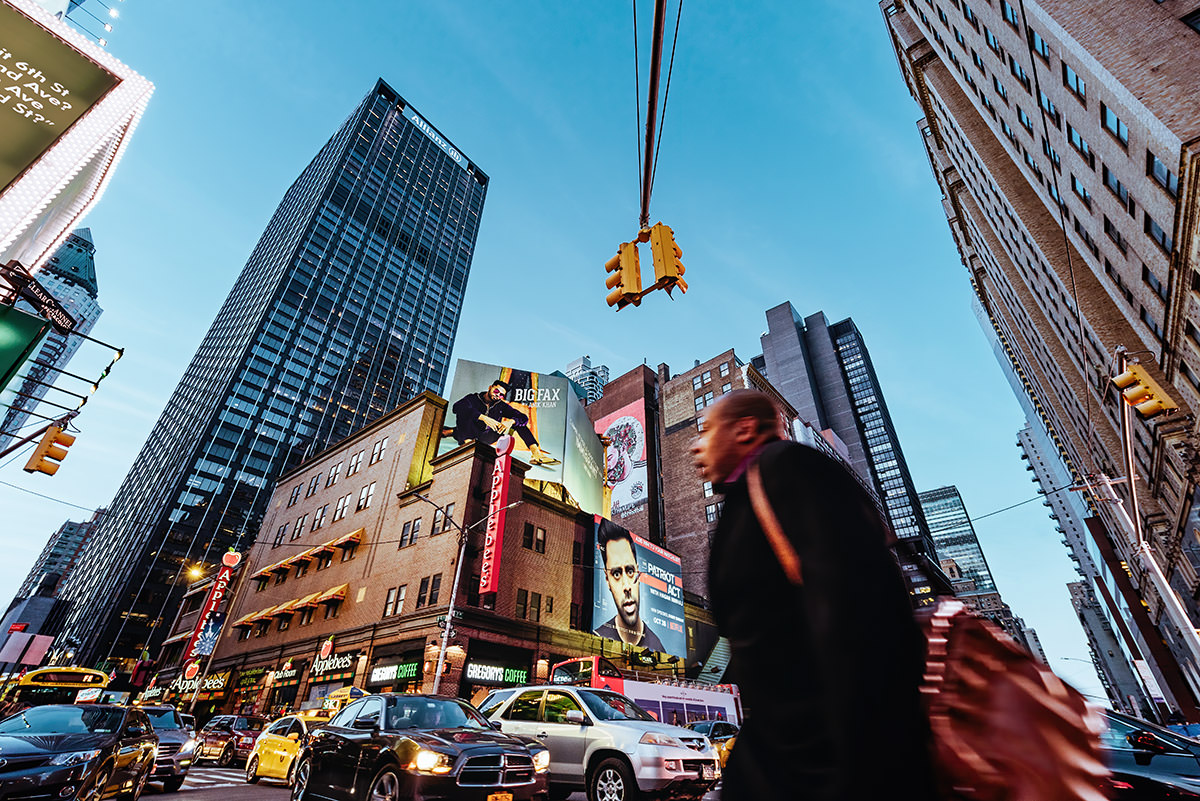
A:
[216,595]
[211,683]
[493,542]
[334,663]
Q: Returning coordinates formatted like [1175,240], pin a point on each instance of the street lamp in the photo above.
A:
[448,629]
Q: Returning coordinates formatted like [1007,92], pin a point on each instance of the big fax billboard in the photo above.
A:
[625,459]
[637,594]
[549,427]
[46,85]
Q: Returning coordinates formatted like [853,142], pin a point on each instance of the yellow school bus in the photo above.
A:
[53,685]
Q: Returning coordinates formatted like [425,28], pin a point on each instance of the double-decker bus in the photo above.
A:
[53,685]
[668,700]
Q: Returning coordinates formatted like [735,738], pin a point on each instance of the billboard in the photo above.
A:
[625,459]
[20,334]
[637,594]
[48,85]
[549,427]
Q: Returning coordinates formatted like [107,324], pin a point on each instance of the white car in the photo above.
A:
[605,744]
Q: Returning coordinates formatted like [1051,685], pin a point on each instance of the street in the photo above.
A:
[229,784]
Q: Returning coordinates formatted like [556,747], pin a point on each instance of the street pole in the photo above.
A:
[660,14]
[448,629]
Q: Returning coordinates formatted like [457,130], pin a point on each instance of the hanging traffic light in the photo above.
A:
[1143,393]
[668,270]
[50,451]
[626,279]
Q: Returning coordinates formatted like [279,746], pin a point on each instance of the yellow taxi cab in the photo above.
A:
[275,750]
[722,734]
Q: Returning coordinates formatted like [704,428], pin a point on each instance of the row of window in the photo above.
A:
[303,618]
[529,605]
[353,465]
[365,496]
[706,376]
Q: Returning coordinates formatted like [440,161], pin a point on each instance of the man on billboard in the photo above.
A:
[487,416]
[624,582]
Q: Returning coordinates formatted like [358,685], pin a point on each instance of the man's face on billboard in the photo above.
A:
[496,392]
[621,573]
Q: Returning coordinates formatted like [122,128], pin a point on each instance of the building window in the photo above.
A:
[992,41]
[262,627]
[284,622]
[279,535]
[958,37]
[1049,108]
[1115,186]
[708,489]
[339,511]
[295,495]
[394,605]
[1087,238]
[1023,118]
[349,550]
[978,61]
[427,593]
[1192,20]
[696,383]
[312,485]
[1081,145]
[1114,234]
[535,606]
[332,608]
[364,497]
[1000,90]
[408,534]
[377,451]
[280,577]
[1039,45]
[1033,165]
[1151,323]
[1112,123]
[1082,191]
[533,538]
[306,616]
[324,560]
[1055,161]
[1072,81]
[970,17]
[301,568]
[243,634]
[1158,234]
[724,369]
[576,553]
[355,463]
[1162,176]
[1018,72]
[704,400]
[319,517]
[1010,15]
[1152,281]
[442,522]
[334,473]
[726,388]
[710,513]
[574,621]
[1187,372]
[522,604]
[1009,132]
[299,529]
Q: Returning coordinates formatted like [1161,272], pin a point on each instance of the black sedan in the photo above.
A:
[77,751]
[416,747]
[1149,762]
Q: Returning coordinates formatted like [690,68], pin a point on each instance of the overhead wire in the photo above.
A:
[637,99]
[666,96]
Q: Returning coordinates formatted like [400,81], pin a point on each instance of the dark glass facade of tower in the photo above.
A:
[954,537]
[347,307]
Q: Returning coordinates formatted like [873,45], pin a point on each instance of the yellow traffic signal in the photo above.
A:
[668,270]
[1143,393]
[50,451]
[626,279]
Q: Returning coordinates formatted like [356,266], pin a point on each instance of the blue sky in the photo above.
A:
[791,169]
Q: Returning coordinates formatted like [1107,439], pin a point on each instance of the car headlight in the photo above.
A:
[541,761]
[74,757]
[431,762]
[657,738]
[190,745]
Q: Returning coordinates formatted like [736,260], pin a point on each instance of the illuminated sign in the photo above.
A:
[213,683]
[637,593]
[335,663]
[46,85]
[386,674]
[493,538]
[496,674]
[428,130]
[198,646]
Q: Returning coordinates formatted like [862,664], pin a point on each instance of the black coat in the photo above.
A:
[468,426]
[829,672]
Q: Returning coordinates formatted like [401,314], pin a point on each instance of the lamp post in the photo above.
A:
[448,629]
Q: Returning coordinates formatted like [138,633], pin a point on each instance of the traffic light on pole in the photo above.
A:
[668,270]
[626,279]
[1143,393]
[50,451]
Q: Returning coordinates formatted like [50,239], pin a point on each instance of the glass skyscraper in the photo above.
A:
[954,537]
[347,306]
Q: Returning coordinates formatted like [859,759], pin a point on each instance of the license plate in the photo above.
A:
[708,772]
[500,797]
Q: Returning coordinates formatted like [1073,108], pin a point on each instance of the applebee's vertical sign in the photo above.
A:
[216,595]
[489,573]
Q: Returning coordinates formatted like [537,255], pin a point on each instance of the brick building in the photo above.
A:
[1063,136]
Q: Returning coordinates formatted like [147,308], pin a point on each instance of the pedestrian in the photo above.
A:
[825,649]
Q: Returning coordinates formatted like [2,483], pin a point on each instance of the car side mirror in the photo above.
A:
[1145,741]
[293,736]
[576,716]
[134,731]
[365,724]
[495,724]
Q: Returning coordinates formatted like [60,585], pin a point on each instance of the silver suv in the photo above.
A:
[176,746]
[605,744]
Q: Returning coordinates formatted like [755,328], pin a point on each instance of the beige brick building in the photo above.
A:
[1065,135]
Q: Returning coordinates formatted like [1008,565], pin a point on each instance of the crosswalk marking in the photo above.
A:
[208,778]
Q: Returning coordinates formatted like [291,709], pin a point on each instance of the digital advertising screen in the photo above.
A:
[625,460]
[47,85]
[637,592]
[549,426]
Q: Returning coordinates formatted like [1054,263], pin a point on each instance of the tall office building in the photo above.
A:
[825,372]
[347,307]
[61,553]
[1058,132]
[592,379]
[70,276]
[954,537]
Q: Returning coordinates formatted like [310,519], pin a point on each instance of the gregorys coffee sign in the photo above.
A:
[334,663]
[496,674]
[403,671]
[214,683]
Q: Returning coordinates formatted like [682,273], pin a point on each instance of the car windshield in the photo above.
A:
[612,706]
[433,713]
[64,720]
[163,719]
[494,700]
[248,724]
